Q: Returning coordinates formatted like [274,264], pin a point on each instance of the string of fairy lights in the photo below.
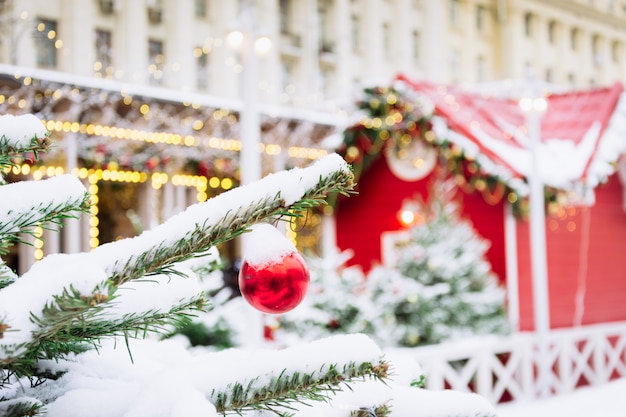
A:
[157,179]
[169,138]
[94,176]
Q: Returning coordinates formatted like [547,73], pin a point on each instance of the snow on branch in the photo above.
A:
[27,203]
[299,368]
[19,136]
[18,132]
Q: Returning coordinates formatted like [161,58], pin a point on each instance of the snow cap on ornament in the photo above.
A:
[273,277]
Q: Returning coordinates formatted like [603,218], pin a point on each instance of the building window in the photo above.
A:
[571,79]
[46,43]
[202,68]
[616,52]
[285,12]
[596,50]
[386,40]
[156,60]
[481,13]
[356,33]
[103,51]
[416,45]
[453,11]
[326,43]
[155,12]
[200,8]
[552,32]
[573,39]
[528,24]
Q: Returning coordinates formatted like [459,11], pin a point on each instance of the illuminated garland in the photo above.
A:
[394,117]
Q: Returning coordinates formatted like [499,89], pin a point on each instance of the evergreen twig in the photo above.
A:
[73,323]
[12,153]
[41,215]
[24,408]
[287,388]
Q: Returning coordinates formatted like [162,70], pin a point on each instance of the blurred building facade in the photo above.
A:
[320,49]
[144,97]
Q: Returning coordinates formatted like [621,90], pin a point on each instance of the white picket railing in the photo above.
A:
[505,369]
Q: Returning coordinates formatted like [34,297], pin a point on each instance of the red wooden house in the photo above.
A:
[484,143]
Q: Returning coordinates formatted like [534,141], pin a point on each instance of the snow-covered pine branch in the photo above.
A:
[302,369]
[63,291]
[19,135]
[24,205]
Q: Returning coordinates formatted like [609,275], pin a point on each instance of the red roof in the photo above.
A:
[576,122]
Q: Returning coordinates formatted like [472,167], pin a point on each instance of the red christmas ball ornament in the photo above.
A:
[275,279]
[276,287]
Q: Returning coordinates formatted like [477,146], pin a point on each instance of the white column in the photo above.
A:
[130,42]
[71,230]
[169,202]
[512,281]
[270,64]
[180,70]
[402,37]
[226,80]
[533,111]
[505,26]
[329,236]
[342,18]
[585,58]
[373,36]
[309,80]
[147,209]
[250,157]
[180,198]
[23,42]
[52,240]
[434,32]
[76,30]
[469,52]
[512,40]
[26,253]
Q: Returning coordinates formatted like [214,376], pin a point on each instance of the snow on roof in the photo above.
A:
[171,95]
[583,133]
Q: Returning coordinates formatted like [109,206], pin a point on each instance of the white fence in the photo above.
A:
[505,369]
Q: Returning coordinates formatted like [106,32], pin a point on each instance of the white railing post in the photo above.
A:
[484,384]
[565,366]
[599,366]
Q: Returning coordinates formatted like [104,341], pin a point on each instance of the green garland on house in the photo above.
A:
[394,118]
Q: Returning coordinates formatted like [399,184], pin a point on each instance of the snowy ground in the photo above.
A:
[606,401]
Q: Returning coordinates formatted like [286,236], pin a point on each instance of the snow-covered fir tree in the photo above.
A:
[79,333]
[440,288]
